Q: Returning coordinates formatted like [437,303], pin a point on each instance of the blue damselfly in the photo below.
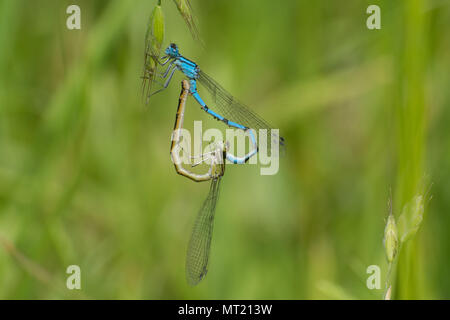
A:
[232,112]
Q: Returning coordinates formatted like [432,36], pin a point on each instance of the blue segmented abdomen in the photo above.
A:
[230,157]
[193,89]
[240,160]
[191,70]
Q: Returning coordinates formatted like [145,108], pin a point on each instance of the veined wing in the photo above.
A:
[200,243]
[231,108]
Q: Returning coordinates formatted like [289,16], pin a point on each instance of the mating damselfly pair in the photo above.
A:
[231,112]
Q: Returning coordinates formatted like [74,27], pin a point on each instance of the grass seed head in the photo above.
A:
[154,38]
[185,9]
[391,238]
[156,29]
[388,293]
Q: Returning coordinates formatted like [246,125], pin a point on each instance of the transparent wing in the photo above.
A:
[200,243]
[232,109]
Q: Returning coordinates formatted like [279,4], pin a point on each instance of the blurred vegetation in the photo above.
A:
[86,176]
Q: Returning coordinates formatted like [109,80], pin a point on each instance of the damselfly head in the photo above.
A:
[172,50]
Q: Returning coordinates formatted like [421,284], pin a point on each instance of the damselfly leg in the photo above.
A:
[151,74]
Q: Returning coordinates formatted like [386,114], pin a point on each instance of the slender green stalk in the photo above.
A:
[410,111]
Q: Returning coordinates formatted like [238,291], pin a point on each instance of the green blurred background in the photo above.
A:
[85,170]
